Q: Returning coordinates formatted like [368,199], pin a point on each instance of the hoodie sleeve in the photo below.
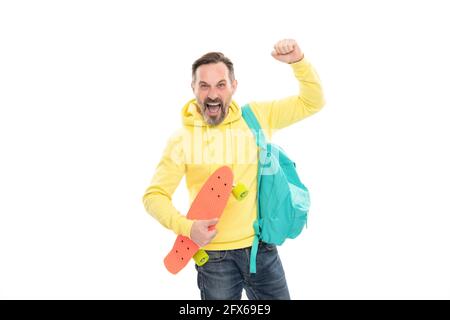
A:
[158,196]
[281,113]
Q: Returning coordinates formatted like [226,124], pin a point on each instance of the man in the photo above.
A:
[212,136]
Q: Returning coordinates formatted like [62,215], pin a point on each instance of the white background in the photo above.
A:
[91,90]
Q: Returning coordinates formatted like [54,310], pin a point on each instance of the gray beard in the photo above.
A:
[216,120]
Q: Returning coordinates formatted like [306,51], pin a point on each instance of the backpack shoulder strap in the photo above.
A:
[253,124]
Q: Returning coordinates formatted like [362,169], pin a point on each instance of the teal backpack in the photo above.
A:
[282,199]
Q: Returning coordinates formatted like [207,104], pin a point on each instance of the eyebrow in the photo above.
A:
[204,82]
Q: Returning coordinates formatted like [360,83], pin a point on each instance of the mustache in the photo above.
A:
[207,100]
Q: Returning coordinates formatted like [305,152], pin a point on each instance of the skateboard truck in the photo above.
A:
[239,191]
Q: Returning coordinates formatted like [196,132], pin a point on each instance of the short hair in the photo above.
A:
[213,57]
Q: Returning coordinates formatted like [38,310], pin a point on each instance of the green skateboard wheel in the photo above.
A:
[201,257]
[240,191]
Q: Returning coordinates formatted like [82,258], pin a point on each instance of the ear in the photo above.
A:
[234,85]
[193,82]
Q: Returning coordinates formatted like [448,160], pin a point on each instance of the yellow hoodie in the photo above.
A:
[198,149]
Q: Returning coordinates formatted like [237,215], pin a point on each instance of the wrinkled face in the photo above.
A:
[213,89]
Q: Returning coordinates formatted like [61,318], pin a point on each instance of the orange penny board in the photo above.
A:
[208,204]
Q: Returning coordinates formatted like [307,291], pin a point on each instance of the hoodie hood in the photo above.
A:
[191,116]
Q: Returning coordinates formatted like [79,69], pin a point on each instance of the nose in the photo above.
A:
[212,94]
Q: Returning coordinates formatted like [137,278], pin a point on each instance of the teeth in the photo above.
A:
[213,104]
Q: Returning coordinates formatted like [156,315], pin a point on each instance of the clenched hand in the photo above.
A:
[287,51]
[202,231]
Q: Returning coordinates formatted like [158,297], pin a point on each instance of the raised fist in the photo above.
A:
[287,51]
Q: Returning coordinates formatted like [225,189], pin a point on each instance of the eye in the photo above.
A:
[221,85]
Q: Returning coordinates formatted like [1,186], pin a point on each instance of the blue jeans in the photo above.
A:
[227,273]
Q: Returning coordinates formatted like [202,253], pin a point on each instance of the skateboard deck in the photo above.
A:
[208,204]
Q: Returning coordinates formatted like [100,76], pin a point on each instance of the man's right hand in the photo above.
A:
[201,233]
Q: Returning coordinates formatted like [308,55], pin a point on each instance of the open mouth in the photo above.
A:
[213,109]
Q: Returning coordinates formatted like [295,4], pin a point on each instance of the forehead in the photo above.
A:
[212,72]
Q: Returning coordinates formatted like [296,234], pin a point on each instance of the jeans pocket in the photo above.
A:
[216,255]
[267,246]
